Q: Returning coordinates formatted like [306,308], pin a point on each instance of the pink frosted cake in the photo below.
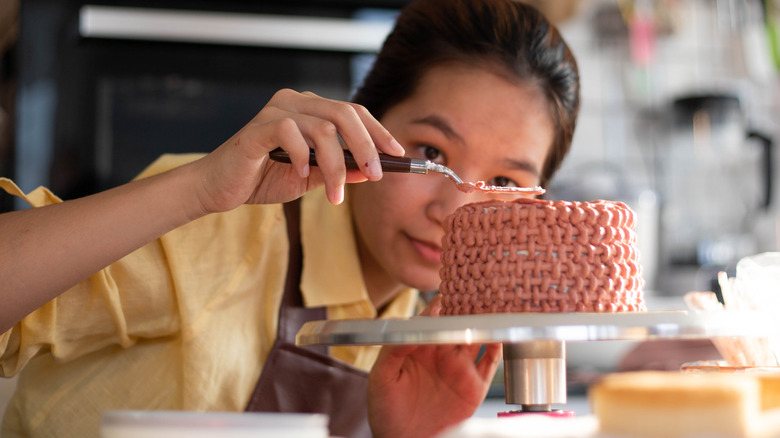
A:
[531,255]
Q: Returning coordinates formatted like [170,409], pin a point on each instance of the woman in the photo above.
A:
[190,317]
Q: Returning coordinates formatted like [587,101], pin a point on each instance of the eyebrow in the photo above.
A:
[522,165]
[442,125]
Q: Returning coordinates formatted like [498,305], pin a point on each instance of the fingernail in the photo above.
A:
[305,171]
[436,309]
[373,169]
[397,146]
[338,195]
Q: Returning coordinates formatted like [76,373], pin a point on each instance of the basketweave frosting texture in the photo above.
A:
[532,255]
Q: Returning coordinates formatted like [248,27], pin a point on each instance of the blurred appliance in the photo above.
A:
[589,181]
[108,86]
[715,179]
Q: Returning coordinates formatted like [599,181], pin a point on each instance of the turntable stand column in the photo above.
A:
[535,374]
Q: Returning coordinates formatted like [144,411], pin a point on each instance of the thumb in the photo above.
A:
[433,308]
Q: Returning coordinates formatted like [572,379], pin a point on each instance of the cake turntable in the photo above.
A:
[534,344]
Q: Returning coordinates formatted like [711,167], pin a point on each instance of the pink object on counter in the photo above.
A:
[555,413]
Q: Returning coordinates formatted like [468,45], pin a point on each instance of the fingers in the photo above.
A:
[329,126]
[390,362]
[433,308]
[288,134]
[323,136]
[383,140]
[340,118]
[488,363]
[344,116]
[362,134]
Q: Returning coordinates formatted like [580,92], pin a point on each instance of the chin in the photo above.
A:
[424,281]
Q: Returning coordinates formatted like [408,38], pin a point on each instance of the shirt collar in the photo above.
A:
[331,267]
[333,276]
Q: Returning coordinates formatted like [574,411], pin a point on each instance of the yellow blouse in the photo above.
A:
[183,323]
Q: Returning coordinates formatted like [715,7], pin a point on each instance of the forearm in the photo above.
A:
[44,251]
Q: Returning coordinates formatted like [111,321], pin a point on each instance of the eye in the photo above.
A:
[502,181]
[431,153]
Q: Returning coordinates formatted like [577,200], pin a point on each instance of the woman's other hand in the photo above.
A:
[240,172]
[420,390]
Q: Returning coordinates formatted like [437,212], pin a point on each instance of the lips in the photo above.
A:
[428,251]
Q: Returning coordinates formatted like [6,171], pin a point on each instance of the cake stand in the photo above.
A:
[534,344]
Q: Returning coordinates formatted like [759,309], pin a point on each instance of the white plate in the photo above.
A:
[183,424]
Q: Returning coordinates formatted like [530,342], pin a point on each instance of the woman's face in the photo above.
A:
[478,124]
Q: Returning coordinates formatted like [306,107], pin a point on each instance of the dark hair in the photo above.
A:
[510,38]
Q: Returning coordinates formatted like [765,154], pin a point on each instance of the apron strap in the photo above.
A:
[306,379]
[292,313]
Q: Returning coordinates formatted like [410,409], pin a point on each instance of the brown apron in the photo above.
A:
[306,379]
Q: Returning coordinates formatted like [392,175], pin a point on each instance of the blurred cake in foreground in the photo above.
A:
[663,404]
[532,255]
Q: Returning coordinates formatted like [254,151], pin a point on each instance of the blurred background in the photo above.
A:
[679,103]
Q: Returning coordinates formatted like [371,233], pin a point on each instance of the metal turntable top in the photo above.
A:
[521,327]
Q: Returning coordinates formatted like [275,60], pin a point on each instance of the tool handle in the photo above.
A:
[389,163]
